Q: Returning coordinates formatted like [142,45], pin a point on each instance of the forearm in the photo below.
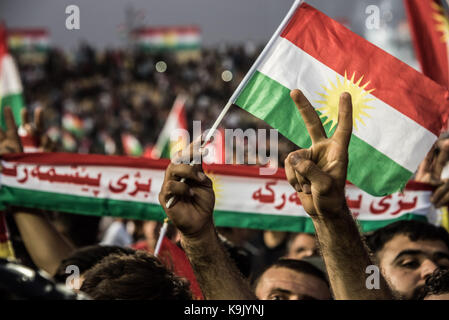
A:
[217,275]
[346,258]
[45,245]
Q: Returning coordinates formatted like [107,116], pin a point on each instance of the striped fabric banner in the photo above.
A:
[128,187]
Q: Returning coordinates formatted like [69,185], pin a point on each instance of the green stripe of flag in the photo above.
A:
[270,101]
[15,101]
[80,204]
[150,211]
[293,223]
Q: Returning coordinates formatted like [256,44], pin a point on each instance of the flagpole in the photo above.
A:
[161,237]
[265,51]
[245,81]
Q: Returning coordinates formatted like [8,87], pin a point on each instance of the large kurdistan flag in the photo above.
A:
[398,112]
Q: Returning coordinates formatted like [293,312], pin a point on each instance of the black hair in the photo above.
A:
[414,230]
[85,258]
[299,266]
[139,276]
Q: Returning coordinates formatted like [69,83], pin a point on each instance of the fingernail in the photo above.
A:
[297,188]
[191,192]
[306,188]
[201,175]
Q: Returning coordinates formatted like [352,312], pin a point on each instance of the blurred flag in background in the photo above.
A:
[176,120]
[28,40]
[171,38]
[10,85]
[429,27]
[131,146]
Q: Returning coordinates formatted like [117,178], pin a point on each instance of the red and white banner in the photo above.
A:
[129,187]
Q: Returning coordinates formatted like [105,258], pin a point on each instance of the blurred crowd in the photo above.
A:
[90,97]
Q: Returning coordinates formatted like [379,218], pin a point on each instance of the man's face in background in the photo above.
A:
[406,264]
[301,246]
[286,284]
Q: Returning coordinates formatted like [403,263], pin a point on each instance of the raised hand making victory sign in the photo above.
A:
[318,174]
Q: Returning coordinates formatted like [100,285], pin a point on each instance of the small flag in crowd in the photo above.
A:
[173,38]
[131,146]
[10,85]
[176,120]
[398,112]
[175,259]
[68,142]
[73,124]
[429,27]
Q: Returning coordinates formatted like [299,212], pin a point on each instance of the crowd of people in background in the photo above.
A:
[115,92]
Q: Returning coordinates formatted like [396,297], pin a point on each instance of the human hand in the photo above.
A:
[192,209]
[318,174]
[34,130]
[9,139]
[430,169]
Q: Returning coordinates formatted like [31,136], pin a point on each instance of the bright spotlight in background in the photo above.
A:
[161,66]
[226,76]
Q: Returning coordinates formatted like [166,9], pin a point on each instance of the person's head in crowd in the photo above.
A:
[139,276]
[408,252]
[437,285]
[301,245]
[289,279]
[85,258]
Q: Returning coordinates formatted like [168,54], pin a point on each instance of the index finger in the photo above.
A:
[39,119]
[24,116]
[309,115]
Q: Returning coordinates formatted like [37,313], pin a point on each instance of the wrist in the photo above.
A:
[336,212]
[207,234]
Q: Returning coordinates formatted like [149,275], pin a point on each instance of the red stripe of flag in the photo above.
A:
[397,84]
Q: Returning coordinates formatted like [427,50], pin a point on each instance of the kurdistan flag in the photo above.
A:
[398,112]
[10,85]
[20,40]
[176,120]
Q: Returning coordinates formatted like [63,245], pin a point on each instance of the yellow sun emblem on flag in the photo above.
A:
[442,21]
[216,186]
[331,98]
